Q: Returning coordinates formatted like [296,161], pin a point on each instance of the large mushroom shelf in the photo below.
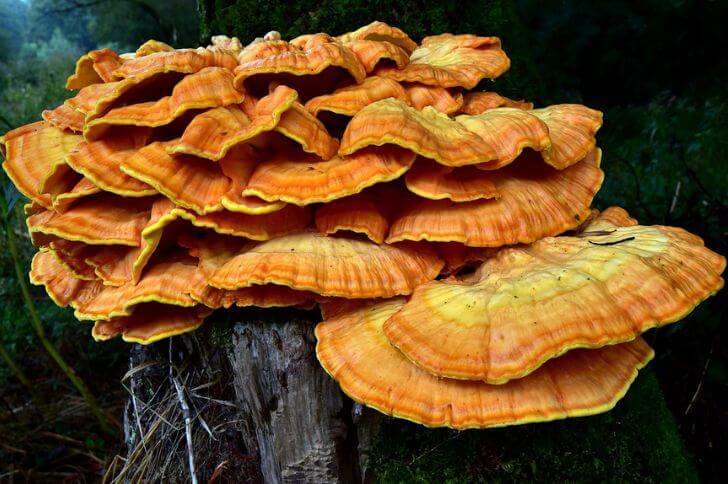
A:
[446,233]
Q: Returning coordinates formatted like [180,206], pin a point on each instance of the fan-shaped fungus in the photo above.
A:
[342,171]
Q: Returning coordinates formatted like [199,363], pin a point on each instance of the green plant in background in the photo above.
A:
[34,80]
[14,368]
[637,441]
[8,206]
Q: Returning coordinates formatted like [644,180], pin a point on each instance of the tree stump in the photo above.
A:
[298,422]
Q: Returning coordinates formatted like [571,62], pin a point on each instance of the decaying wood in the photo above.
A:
[298,420]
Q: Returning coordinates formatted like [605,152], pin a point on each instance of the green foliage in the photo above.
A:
[35,80]
[622,51]
[253,18]
[169,21]
[12,25]
[636,442]
[44,16]
[126,23]
[649,150]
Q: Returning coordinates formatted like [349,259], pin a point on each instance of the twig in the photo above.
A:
[674,197]
[626,239]
[700,383]
[135,406]
[186,413]
[435,447]
[219,469]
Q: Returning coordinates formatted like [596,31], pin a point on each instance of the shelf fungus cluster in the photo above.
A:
[446,232]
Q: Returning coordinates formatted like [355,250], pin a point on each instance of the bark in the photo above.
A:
[298,421]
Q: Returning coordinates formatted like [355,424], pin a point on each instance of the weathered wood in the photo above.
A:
[298,420]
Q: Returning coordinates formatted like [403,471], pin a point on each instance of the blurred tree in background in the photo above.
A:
[657,69]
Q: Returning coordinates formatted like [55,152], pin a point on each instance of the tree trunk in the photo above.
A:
[263,408]
[298,422]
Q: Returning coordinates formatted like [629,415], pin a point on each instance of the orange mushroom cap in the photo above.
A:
[350,100]
[100,220]
[166,282]
[20,131]
[97,99]
[309,41]
[526,305]
[62,287]
[301,126]
[213,133]
[288,219]
[86,100]
[151,322]
[150,78]
[309,261]
[207,88]
[452,61]
[440,98]
[183,61]
[480,102]
[353,349]
[436,182]
[380,31]
[188,181]
[152,47]
[572,129]
[496,137]
[95,67]
[509,131]
[196,184]
[312,71]
[367,213]
[65,117]
[303,180]
[34,154]
[118,265]
[111,264]
[63,201]
[535,201]
[266,49]
[266,296]
[373,52]
[67,253]
[239,169]
[101,161]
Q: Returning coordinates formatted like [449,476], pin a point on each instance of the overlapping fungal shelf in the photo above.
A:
[446,233]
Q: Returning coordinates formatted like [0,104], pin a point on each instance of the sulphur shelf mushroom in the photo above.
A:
[446,233]
[353,348]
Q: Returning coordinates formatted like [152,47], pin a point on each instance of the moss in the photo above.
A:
[637,441]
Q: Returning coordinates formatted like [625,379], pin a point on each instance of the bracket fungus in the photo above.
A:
[446,233]
[353,349]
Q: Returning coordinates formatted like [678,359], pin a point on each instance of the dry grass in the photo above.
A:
[156,429]
[50,436]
